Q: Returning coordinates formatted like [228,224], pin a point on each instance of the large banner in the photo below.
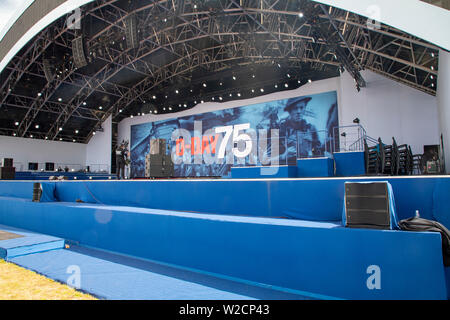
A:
[267,134]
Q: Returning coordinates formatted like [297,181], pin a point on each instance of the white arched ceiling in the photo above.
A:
[65,8]
[418,18]
[415,17]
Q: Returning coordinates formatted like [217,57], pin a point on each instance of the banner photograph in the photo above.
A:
[270,133]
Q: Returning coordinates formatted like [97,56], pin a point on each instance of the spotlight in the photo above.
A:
[234,78]
[343,134]
[176,91]
[40,94]
[60,129]
[204,85]
[16,123]
[301,15]
[262,90]
[76,131]
[36,126]
[356,120]
[309,80]
[286,85]
[59,99]
[276,86]
[154,97]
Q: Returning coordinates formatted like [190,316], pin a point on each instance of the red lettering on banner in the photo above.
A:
[180,147]
[205,145]
[213,140]
[196,146]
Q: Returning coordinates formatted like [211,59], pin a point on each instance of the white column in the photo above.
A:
[443,98]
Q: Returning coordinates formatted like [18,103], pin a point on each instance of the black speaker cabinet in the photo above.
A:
[49,166]
[7,162]
[131,33]
[7,173]
[78,52]
[367,205]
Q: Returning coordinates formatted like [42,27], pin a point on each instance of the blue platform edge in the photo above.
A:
[318,199]
[321,258]
[28,243]
[264,172]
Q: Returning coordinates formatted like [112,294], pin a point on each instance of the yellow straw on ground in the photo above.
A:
[17,283]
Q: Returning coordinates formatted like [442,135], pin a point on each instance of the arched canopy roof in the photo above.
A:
[191,45]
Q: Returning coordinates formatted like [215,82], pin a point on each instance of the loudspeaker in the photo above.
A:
[158,146]
[48,70]
[49,166]
[7,173]
[7,162]
[131,32]
[367,205]
[33,166]
[78,52]
[37,192]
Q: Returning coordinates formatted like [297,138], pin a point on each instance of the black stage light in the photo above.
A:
[356,120]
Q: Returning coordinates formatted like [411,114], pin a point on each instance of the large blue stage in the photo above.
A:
[285,234]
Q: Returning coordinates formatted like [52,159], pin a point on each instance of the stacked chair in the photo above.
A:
[372,156]
[383,159]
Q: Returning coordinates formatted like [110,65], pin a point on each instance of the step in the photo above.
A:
[16,242]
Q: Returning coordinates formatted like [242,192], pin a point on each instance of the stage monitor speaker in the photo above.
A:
[48,70]
[33,166]
[367,205]
[49,166]
[78,52]
[7,162]
[7,173]
[131,33]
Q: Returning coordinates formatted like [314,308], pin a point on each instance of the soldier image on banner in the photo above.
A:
[302,138]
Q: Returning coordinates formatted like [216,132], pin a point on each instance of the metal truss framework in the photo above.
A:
[208,35]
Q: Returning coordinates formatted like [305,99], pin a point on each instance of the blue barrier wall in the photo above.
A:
[315,167]
[263,172]
[349,164]
[308,199]
[318,258]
